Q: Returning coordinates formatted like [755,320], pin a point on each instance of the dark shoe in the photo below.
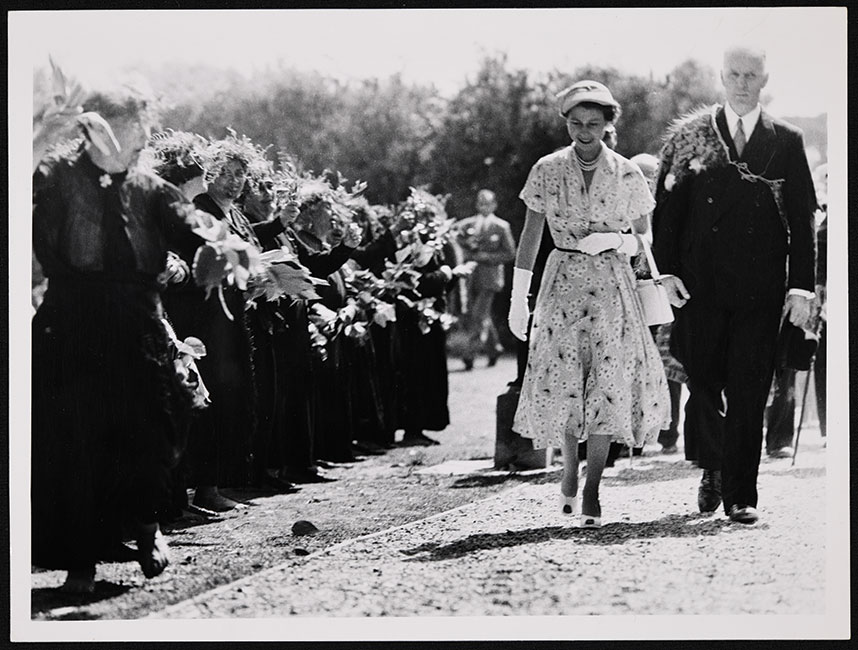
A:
[783,452]
[340,457]
[367,449]
[417,440]
[469,364]
[210,499]
[709,492]
[305,476]
[278,485]
[493,360]
[154,554]
[743,514]
[80,581]
[669,449]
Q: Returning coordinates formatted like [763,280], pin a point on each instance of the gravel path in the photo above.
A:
[513,554]
[398,537]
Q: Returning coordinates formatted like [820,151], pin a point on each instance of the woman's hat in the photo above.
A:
[584,91]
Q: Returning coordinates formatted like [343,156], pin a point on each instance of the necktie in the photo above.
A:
[739,139]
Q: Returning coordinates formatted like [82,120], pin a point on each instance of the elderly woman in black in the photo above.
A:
[107,402]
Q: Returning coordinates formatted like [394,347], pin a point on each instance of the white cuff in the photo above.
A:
[804,293]
[521,281]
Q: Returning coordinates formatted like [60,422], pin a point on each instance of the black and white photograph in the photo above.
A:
[428,324]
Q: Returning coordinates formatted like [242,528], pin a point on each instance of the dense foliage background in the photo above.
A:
[394,135]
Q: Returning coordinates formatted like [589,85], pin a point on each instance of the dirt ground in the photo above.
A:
[374,494]
[432,532]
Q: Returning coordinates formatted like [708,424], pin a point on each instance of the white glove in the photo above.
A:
[518,311]
[629,246]
[598,242]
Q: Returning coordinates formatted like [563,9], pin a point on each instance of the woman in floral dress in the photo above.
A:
[593,371]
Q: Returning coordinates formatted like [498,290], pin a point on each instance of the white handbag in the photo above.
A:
[652,293]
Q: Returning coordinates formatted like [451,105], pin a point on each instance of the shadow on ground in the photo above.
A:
[690,525]
[800,472]
[651,472]
[44,600]
[486,480]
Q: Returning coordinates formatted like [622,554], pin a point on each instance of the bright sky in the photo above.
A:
[444,46]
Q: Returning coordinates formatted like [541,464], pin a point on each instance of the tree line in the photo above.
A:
[394,135]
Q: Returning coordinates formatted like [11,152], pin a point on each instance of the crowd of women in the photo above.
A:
[214,320]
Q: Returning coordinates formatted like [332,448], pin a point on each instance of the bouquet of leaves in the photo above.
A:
[223,258]
[432,228]
[185,355]
[281,274]
[62,118]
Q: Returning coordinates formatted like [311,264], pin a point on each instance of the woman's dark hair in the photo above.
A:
[611,113]
[176,173]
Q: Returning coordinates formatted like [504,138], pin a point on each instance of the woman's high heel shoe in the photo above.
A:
[570,505]
[591,521]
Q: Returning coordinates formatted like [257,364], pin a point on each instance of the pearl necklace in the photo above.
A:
[585,165]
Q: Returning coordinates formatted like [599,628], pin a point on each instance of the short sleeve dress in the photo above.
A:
[593,367]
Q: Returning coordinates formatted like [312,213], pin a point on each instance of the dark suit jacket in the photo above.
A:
[724,236]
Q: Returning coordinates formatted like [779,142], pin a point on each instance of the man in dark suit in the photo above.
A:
[734,228]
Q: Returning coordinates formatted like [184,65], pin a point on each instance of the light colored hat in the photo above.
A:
[584,91]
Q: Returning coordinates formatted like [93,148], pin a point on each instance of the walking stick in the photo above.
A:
[801,415]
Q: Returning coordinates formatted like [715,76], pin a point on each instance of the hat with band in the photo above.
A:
[584,91]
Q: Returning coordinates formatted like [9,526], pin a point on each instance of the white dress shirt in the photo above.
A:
[749,120]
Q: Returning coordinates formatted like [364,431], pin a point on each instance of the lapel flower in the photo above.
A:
[105,180]
[696,165]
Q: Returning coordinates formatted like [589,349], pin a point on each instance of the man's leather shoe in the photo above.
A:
[709,492]
[743,514]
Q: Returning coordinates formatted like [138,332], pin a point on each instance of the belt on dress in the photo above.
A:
[568,250]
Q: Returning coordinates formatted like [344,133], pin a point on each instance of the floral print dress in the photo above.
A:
[593,367]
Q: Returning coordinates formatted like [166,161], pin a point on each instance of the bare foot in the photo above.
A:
[152,549]
[209,498]
[80,581]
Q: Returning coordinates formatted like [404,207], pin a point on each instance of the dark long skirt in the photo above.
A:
[423,361]
[219,445]
[333,419]
[108,419]
[389,378]
[292,436]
